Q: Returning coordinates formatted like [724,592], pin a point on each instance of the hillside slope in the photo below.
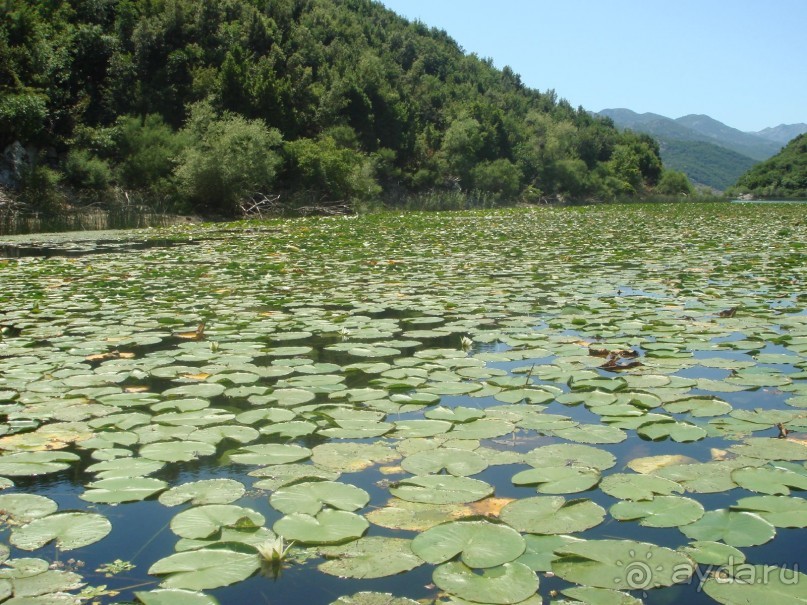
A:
[782,176]
[209,104]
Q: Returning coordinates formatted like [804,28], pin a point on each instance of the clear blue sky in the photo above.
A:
[743,62]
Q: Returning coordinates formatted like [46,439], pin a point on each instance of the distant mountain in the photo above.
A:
[705,163]
[782,176]
[696,128]
[783,133]
[706,150]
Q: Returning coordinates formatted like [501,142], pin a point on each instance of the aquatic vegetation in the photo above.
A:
[494,407]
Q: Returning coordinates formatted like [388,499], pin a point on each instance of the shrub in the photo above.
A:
[85,171]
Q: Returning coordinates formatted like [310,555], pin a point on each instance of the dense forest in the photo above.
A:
[782,176]
[205,105]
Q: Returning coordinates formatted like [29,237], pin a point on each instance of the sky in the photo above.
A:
[742,62]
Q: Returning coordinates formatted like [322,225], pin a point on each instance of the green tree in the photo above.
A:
[229,159]
[673,182]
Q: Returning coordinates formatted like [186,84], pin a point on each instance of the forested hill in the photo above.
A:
[782,176]
[204,104]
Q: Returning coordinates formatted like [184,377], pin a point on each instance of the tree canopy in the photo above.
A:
[345,99]
[782,176]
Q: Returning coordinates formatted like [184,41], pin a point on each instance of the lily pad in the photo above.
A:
[310,497]
[328,527]
[505,584]
[205,569]
[621,564]
[661,511]
[122,489]
[479,543]
[201,522]
[552,515]
[460,463]
[559,479]
[735,528]
[22,508]
[206,491]
[70,530]
[367,558]
[758,584]
[628,486]
[441,489]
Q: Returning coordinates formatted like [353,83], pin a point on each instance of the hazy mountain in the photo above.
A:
[695,128]
[783,133]
[706,150]
[752,145]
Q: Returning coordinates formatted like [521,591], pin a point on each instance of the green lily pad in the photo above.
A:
[176,451]
[661,511]
[758,584]
[270,453]
[540,551]
[352,457]
[122,489]
[559,479]
[174,596]
[206,491]
[373,598]
[479,543]
[460,463]
[769,479]
[629,486]
[780,511]
[681,432]
[706,552]
[552,515]
[735,528]
[600,596]
[441,489]
[22,508]
[564,454]
[205,569]
[767,448]
[69,530]
[412,516]
[29,464]
[328,527]
[201,522]
[505,584]
[368,558]
[310,497]
[621,564]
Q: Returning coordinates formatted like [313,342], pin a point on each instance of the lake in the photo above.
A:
[602,404]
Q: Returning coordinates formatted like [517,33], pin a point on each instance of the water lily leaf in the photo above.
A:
[706,478]
[559,479]
[174,596]
[592,433]
[206,491]
[406,429]
[202,522]
[122,489]
[373,598]
[769,479]
[205,568]
[352,457]
[699,407]
[22,508]
[735,528]
[328,527]
[415,516]
[552,515]
[758,584]
[479,543]
[277,476]
[505,584]
[767,448]
[484,428]
[128,467]
[460,463]
[706,552]
[600,596]
[176,451]
[311,496]
[681,432]
[627,486]
[564,454]
[270,453]
[540,551]
[621,564]
[650,464]
[661,511]
[69,530]
[216,434]
[367,558]
[441,489]
[44,584]
[780,511]
[458,414]
[29,464]
[253,536]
